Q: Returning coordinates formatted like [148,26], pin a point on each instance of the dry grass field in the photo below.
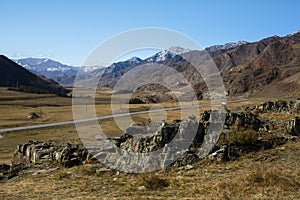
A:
[268,174]
[15,107]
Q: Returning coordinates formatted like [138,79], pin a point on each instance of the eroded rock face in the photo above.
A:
[146,141]
[36,152]
[279,107]
[293,126]
[235,120]
[158,147]
[179,137]
[139,140]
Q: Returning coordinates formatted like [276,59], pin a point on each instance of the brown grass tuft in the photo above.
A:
[152,181]
[246,137]
[273,176]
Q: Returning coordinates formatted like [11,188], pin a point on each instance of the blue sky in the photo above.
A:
[68,30]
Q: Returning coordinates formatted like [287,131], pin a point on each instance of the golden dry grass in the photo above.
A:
[12,139]
[269,174]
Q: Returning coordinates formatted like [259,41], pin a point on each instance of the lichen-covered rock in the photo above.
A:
[37,152]
[235,120]
[141,140]
[148,141]
[187,158]
[285,107]
[293,126]
[4,168]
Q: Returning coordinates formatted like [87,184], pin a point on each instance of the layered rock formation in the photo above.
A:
[279,107]
[293,126]
[37,152]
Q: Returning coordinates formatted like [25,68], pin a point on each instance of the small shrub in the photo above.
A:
[153,182]
[87,170]
[136,101]
[62,175]
[272,176]
[247,137]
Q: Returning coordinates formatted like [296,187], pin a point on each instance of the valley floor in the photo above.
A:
[267,174]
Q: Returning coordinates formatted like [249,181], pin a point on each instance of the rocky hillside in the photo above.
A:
[264,68]
[267,68]
[16,77]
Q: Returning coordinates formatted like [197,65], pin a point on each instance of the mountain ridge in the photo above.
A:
[16,77]
[61,73]
[246,68]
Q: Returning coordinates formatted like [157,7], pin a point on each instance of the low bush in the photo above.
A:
[247,137]
[152,182]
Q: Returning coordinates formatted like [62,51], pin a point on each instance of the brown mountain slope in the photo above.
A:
[14,76]
[260,68]
[278,61]
[241,54]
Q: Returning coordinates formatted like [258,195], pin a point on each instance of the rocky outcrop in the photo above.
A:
[32,116]
[171,139]
[4,168]
[153,98]
[139,140]
[36,152]
[159,145]
[4,171]
[235,120]
[279,107]
[293,126]
[144,139]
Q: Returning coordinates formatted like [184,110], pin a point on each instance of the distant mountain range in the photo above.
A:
[269,67]
[18,78]
[227,46]
[266,68]
[65,74]
[54,70]
[47,67]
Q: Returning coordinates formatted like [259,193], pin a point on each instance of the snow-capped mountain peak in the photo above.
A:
[177,50]
[47,67]
[226,46]
[295,33]
[88,69]
[135,59]
[168,54]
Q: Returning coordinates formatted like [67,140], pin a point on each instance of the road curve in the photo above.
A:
[21,128]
